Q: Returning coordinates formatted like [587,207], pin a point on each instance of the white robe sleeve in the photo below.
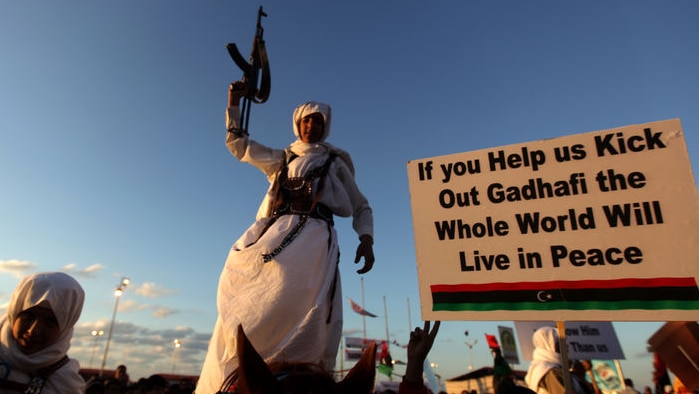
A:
[343,196]
[246,150]
[249,151]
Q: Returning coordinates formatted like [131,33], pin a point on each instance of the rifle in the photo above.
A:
[257,69]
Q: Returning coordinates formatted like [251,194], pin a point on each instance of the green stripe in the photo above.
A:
[551,306]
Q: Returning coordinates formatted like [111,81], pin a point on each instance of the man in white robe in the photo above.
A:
[281,281]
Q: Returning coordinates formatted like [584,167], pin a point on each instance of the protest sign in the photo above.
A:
[585,340]
[599,226]
[508,344]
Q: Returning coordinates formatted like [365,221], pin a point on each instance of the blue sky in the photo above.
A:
[113,163]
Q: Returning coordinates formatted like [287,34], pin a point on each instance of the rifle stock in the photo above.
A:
[254,70]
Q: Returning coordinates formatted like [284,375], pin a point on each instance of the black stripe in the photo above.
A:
[571,295]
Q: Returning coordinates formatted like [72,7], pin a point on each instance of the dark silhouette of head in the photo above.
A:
[254,376]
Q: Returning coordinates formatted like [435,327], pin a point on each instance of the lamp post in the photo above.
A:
[177,344]
[95,334]
[470,350]
[118,292]
[434,367]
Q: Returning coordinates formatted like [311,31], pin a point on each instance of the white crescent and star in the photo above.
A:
[544,296]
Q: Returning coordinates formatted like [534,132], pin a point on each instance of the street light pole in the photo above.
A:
[177,344]
[470,351]
[118,292]
[95,334]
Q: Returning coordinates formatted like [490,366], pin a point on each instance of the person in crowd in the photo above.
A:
[580,370]
[255,376]
[95,385]
[661,376]
[186,385]
[121,375]
[419,345]
[629,389]
[503,377]
[502,373]
[545,373]
[155,384]
[35,335]
[647,390]
[113,386]
[281,280]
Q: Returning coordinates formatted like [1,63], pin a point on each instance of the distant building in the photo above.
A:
[480,381]
[88,373]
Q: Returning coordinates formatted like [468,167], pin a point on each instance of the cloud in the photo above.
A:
[20,268]
[132,306]
[158,311]
[153,290]
[162,311]
[89,272]
[16,268]
[143,350]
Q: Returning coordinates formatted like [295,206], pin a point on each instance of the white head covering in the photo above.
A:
[312,107]
[65,297]
[544,356]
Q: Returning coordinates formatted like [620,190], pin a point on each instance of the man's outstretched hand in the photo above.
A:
[366,250]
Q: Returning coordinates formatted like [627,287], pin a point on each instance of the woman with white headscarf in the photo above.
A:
[35,336]
[281,281]
[545,374]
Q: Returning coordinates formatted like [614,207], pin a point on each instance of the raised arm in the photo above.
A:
[420,344]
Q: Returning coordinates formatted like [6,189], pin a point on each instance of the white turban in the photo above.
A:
[312,107]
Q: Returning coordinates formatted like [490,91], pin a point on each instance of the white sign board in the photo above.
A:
[585,340]
[600,226]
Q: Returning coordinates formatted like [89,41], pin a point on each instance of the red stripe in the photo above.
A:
[567,284]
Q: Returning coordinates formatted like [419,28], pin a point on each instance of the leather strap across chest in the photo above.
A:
[36,383]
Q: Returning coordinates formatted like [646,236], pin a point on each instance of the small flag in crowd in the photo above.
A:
[359,309]
[492,341]
[385,360]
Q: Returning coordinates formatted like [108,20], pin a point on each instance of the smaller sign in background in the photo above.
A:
[586,340]
[508,344]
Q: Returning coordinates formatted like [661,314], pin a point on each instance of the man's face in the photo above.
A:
[312,127]
[35,329]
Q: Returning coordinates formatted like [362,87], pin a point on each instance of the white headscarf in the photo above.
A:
[544,356]
[65,297]
[312,107]
[320,148]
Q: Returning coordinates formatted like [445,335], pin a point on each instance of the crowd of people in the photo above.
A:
[35,337]
[154,384]
[36,333]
